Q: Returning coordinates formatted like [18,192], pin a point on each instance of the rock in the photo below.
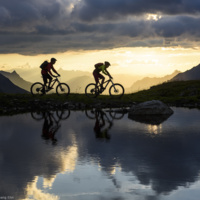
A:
[150,119]
[154,107]
[150,112]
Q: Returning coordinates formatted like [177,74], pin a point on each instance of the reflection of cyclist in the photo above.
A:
[47,74]
[49,129]
[100,130]
[100,67]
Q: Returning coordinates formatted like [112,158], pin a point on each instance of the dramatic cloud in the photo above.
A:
[49,26]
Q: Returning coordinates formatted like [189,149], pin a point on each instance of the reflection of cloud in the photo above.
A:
[163,162]
[68,159]
[35,193]
[48,182]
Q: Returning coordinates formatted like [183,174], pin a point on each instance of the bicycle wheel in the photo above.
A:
[116,90]
[90,114]
[116,115]
[63,114]
[37,115]
[91,91]
[63,88]
[36,88]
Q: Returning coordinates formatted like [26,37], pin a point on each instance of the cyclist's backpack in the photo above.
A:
[44,64]
[98,65]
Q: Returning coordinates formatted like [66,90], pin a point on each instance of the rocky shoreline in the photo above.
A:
[23,105]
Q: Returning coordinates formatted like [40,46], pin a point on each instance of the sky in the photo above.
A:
[136,36]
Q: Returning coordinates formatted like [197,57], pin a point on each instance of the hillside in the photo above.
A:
[17,80]
[78,84]
[6,86]
[192,74]
[147,82]
[179,93]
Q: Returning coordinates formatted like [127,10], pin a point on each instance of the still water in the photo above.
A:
[98,156]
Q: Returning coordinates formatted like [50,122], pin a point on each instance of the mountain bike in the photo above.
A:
[115,90]
[39,89]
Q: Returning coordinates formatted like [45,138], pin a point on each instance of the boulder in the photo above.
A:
[154,107]
[150,112]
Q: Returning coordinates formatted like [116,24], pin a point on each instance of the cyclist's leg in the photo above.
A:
[102,80]
[50,79]
[45,82]
[96,78]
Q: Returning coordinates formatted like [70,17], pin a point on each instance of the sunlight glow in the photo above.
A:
[158,61]
[154,17]
[155,129]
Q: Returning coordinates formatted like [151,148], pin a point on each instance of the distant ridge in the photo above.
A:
[192,74]
[17,80]
[147,82]
[6,86]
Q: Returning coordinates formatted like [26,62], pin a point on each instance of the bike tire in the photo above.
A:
[63,114]
[90,114]
[91,91]
[116,90]
[116,115]
[37,115]
[62,88]
[36,88]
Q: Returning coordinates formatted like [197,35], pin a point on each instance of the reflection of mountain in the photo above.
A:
[192,74]
[6,86]
[147,82]
[17,80]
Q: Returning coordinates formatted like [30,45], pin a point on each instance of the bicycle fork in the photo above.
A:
[115,90]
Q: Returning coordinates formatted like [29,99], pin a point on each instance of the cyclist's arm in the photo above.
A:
[107,73]
[55,71]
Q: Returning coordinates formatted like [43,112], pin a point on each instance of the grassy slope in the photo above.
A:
[170,92]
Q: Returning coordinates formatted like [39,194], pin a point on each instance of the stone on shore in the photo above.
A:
[150,112]
[154,107]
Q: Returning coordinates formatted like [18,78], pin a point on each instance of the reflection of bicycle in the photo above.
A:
[112,113]
[38,88]
[58,115]
[51,123]
[115,90]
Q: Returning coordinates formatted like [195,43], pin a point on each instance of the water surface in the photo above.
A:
[81,158]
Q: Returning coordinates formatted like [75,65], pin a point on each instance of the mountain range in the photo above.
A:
[192,74]
[77,80]
[6,86]
[17,80]
[147,82]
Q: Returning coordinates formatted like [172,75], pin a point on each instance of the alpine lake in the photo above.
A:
[100,155]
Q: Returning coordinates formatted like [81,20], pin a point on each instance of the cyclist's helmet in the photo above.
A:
[53,59]
[107,63]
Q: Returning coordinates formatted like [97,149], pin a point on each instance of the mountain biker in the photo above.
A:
[47,74]
[100,67]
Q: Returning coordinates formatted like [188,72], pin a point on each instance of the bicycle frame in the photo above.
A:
[105,84]
[54,81]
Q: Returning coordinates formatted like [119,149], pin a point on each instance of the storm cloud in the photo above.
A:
[50,26]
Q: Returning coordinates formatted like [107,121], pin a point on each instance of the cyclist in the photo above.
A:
[47,74]
[100,67]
